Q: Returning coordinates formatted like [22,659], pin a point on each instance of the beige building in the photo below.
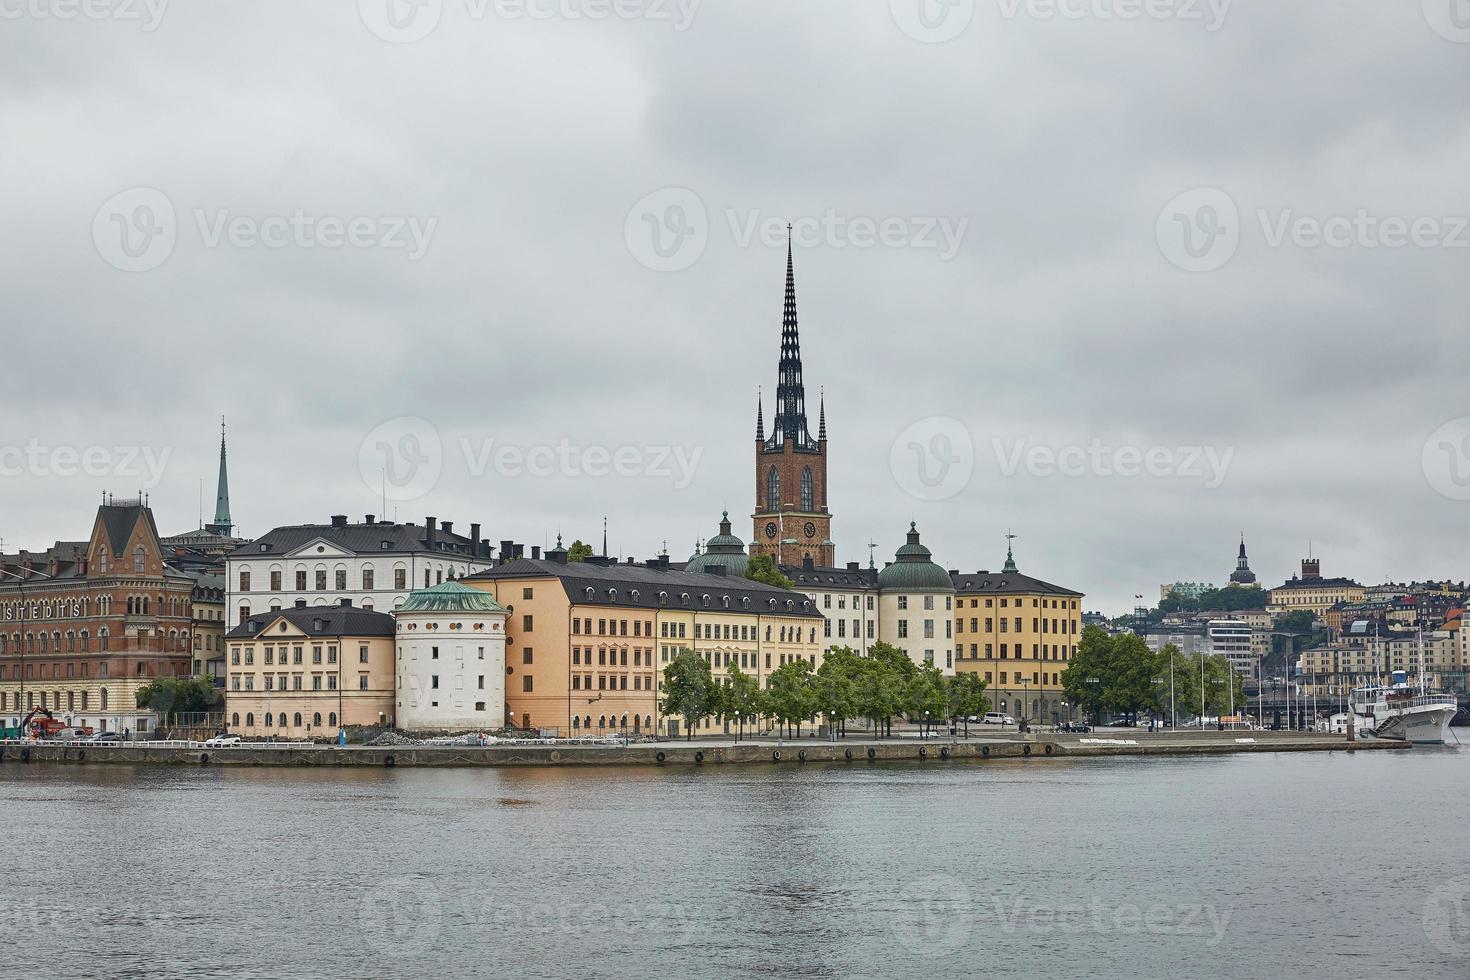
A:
[587,641]
[1019,634]
[1312,592]
[451,660]
[304,672]
[916,606]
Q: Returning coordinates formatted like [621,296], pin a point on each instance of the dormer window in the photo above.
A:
[612,595]
[382,545]
[633,595]
[726,601]
[591,592]
[265,547]
[663,598]
[705,599]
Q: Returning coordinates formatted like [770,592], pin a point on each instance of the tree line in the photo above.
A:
[848,686]
[1119,674]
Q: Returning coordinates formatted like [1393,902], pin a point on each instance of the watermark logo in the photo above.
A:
[1199,230]
[135,230]
[667,230]
[1204,922]
[1362,230]
[933,918]
[401,916]
[400,21]
[148,14]
[934,458]
[1446,917]
[402,459]
[932,21]
[676,464]
[1446,459]
[1450,19]
[143,464]
[1206,464]
[1210,13]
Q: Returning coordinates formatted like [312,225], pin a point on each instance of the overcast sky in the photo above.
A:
[1056,268]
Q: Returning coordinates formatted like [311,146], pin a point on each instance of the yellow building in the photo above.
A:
[1018,633]
[1312,592]
[586,641]
[302,673]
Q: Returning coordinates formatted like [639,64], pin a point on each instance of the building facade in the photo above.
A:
[587,641]
[374,565]
[450,662]
[1312,592]
[85,625]
[1019,634]
[304,672]
[916,606]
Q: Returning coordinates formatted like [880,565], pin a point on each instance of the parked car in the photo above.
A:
[997,718]
[221,741]
[102,738]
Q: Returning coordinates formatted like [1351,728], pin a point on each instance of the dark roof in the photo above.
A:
[820,577]
[358,538]
[1006,583]
[1318,583]
[119,521]
[333,621]
[649,580]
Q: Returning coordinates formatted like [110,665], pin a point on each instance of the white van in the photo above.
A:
[998,718]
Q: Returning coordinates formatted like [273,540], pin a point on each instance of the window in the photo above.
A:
[903,629]
[526,655]
[773,490]
[321,580]
[806,488]
[138,558]
[400,579]
[367,579]
[434,682]
[903,602]
[341,580]
[301,580]
[526,593]
[245,581]
[526,623]
[362,682]
[526,683]
[362,654]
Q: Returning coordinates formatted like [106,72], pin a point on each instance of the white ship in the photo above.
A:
[1400,711]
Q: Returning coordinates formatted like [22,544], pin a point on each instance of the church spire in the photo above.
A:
[760,416]
[790,421]
[222,524]
[822,413]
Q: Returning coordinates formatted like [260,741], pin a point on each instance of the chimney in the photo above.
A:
[852,566]
[346,603]
[447,527]
[430,536]
[507,550]
[300,603]
[339,520]
[520,550]
[369,519]
[808,563]
[535,552]
[475,540]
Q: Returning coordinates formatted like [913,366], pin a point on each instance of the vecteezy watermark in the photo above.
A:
[676,464]
[406,21]
[402,458]
[1450,19]
[1208,464]
[1445,459]
[145,464]
[934,458]
[147,14]
[136,230]
[1446,917]
[934,917]
[1201,229]
[401,916]
[1210,13]
[669,230]
[1097,917]
[932,21]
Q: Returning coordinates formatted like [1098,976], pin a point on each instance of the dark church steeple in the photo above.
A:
[1242,574]
[790,420]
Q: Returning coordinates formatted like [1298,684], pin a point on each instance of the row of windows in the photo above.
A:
[583,682]
[51,700]
[903,629]
[605,657]
[605,627]
[35,643]
[1038,624]
[842,601]
[842,628]
[272,720]
[318,578]
[1039,651]
[605,722]
[1036,678]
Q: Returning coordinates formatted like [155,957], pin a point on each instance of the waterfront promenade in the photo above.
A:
[698,752]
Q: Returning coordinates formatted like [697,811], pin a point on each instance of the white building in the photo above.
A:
[375,564]
[846,597]
[450,660]
[916,606]
[1233,639]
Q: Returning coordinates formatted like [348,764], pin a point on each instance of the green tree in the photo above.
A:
[744,698]
[579,551]
[174,696]
[926,697]
[1086,679]
[688,690]
[836,687]
[762,568]
[792,695]
[967,698]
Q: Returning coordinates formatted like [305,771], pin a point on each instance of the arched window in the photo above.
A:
[249,719]
[648,722]
[332,719]
[138,558]
[601,721]
[235,720]
[576,722]
[806,488]
[295,719]
[316,718]
[104,699]
[102,641]
[268,717]
[773,490]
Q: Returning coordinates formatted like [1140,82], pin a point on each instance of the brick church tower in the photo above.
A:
[791,518]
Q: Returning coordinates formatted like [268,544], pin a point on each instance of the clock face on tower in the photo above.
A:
[771,529]
[810,529]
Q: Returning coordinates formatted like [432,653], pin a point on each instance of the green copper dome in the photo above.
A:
[914,570]
[451,597]
[723,549]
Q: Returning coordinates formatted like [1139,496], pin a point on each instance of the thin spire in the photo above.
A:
[604,535]
[222,522]
[1010,565]
[790,421]
[822,416]
[760,415]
